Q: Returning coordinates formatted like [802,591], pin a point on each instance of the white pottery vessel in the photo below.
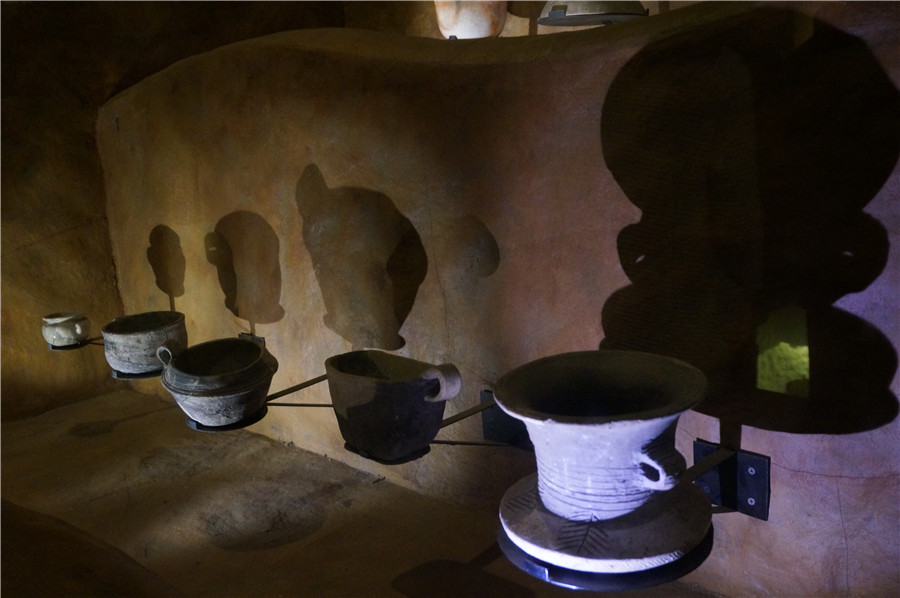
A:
[470,20]
[62,329]
[603,427]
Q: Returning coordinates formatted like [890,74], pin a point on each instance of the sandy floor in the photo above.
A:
[117,496]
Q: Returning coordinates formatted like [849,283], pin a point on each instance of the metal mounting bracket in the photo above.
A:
[737,480]
[497,426]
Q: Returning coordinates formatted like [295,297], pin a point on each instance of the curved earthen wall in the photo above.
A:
[472,202]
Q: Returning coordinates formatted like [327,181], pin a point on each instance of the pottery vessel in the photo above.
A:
[63,329]
[603,427]
[469,20]
[130,342]
[221,382]
[389,408]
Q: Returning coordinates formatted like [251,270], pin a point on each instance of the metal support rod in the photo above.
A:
[472,443]
[300,405]
[301,386]
[697,469]
[467,413]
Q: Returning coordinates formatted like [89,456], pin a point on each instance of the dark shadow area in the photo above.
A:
[188,29]
[851,367]
[752,146]
[473,248]
[45,556]
[244,249]
[167,260]
[450,579]
[368,259]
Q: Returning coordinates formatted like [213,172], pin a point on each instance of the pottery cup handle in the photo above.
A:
[449,382]
[665,479]
[165,354]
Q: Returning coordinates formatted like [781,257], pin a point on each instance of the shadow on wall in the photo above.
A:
[244,249]
[167,260]
[367,256]
[751,148]
[45,556]
[472,250]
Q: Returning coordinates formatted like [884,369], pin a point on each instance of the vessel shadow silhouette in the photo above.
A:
[752,153]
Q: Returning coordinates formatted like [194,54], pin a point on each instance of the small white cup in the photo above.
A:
[63,329]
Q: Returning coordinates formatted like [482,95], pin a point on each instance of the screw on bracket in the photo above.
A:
[739,482]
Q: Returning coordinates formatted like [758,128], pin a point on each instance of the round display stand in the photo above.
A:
[604,582]
[247,421]
[666,530]
[139,376]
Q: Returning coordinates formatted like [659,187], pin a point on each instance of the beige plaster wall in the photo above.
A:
[429,142]
[497,155]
